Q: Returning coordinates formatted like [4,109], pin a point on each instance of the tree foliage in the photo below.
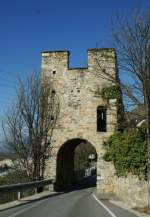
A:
[132,41]
[81,158]
[128,152]
[14,177]
[82,162]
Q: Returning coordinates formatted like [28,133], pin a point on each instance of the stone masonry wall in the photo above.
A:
[78,103]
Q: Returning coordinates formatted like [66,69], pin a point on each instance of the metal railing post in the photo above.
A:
[35,190]
[19,195]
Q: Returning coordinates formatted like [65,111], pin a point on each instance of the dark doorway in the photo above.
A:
[76,165]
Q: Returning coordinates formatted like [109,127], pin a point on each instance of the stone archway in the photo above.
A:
[65,169]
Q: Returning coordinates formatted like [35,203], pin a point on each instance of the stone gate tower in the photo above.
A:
[84,116]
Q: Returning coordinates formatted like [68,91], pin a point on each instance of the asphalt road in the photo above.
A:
[78,203]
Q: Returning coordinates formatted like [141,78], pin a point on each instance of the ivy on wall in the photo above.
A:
[128,152]
[113,92]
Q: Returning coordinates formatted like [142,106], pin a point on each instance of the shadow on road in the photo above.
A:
[87,182]
[24,201]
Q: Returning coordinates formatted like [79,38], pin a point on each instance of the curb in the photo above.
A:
[26,200]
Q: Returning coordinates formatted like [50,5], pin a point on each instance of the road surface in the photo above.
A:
[78,203]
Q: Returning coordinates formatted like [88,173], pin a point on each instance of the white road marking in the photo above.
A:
[25,209]
[104,206]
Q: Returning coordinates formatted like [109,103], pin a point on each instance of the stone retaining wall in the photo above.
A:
[132,191]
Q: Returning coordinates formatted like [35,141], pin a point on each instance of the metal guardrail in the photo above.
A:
[23,186]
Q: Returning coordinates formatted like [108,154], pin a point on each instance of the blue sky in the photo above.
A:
[31,26]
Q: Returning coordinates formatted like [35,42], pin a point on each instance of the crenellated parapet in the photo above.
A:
[103,59]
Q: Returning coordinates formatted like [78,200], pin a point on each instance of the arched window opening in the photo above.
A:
[101,119]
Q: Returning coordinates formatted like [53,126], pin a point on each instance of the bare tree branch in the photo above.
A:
[29,125]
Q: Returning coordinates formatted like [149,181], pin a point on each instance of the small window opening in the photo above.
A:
[54,72]
[53,91]
[52,117]
[101,119]
[104,70]
[78,91]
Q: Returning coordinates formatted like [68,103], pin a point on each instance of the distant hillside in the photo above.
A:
[4,156]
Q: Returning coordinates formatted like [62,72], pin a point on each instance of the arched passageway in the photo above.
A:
[76,162]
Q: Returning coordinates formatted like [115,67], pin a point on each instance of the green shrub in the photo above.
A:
[128,152]
[13,177]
